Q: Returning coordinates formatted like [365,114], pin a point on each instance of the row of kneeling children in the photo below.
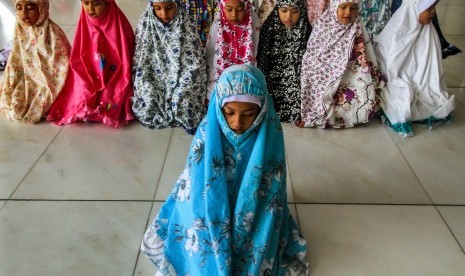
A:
[321,67]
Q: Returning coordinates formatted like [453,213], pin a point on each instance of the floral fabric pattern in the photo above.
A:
[233,219]
[230,44]
[280,52]
[265,10]
[315,9]
[202,12]
[340,77]
[169,72]
[99,85]
[375,15]
[36,70]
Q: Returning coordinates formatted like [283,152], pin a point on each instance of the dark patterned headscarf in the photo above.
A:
[280,51]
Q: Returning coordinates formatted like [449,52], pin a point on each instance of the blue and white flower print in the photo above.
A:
[228,214]
[192,242]
[169,72]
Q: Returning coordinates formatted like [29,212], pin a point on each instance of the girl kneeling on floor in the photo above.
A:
[37,65]
[409,52]
[169,69]
[228,214]
[282,43]
[233,39]
[340,80]
[99,86]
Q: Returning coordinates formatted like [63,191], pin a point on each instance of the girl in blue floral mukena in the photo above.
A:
[228,214]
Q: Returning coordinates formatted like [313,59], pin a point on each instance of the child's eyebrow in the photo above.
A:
[250,109]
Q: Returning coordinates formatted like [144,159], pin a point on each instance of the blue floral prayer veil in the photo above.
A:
[240,80]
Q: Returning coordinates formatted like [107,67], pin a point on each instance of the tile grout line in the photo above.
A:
[419,181]
[294,204]
[288,170]
[429,196]
[289,202]
[378,204]
[35,163]
[153,199]
[3,205]
[450,230]
[410,167]
[84,200]
[138,251]
[163,166]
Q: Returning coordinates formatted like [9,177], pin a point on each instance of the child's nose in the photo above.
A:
[237,126]
[239,122]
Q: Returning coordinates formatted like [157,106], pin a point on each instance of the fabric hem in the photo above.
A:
[83,116]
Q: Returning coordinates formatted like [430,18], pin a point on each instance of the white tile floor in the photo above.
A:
[76,200]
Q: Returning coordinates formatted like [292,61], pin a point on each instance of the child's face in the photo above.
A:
[165,11]
[94,8]
[289,15]
[427,15]
[27,12]
[234,11]
[347,12]
[240,116]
